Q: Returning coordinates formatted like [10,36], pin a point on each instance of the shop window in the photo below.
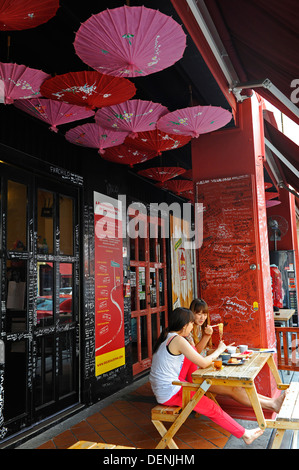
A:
[45,222]
[16,216]
[66,225]
[44,373]
[45,289]
[66,354]
[16,297]
[66,293]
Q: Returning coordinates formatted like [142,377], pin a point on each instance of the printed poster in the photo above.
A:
[109,302]
[181,265]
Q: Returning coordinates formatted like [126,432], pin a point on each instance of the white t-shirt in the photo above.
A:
[166,368]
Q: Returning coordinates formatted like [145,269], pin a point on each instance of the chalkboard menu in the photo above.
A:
[227,258]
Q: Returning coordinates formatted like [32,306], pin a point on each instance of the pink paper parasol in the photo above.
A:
[89,89]
[132,116]
[177,186]
[130,41]
[18,82]
[272,203]
[157,141]
[127,155]
[162,173]
[194,120]
[26,14]
[53,112]
[95,136]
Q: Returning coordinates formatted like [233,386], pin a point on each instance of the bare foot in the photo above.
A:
[251,435]
[278,402]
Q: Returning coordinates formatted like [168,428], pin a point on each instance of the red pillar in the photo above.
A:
[234,257]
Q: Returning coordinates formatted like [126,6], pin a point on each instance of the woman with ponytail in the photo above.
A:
[168,358]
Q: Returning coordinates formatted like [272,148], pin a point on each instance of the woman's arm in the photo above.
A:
[180,346]
[201,345]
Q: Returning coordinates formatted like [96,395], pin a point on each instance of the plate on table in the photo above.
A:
[239,363]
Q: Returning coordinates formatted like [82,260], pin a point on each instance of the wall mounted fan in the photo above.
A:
[278,227]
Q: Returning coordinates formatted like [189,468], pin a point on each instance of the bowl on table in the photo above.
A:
[225,357]
[231,349]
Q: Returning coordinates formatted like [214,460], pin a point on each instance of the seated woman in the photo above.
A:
[200,339]
[168,358]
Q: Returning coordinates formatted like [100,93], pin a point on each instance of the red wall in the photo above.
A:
[234,153]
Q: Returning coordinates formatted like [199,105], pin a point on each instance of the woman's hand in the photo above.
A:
[221,347]
[208,330]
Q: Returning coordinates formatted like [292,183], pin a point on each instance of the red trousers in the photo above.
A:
[205,406]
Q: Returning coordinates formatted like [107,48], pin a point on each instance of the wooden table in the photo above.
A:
[285,315]
[236,376]
[243,376]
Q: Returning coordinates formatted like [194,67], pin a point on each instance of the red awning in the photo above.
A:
[261,38]
[287,148]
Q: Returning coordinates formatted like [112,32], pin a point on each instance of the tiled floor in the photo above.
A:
[127,422]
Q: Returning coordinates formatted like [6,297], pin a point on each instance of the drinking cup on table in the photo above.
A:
[231,349]
[242,348]
[217,363]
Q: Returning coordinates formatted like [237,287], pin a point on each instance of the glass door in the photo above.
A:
[148,289]
[56,372]
[39,259]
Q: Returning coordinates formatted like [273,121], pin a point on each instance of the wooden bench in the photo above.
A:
[97,445]
[285,360]
[288,416]
[170,413]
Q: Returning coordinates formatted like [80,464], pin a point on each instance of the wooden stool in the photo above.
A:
[165,413]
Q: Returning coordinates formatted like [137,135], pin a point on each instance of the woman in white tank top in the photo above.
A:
[168,356]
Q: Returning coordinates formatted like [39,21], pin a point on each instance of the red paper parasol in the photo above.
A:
[18,82]
[130,41]
[95,136]
[177,186]
[132,116]
[268,185]
[270,195]
[194,120]
[53,112]
[162,174]
[127,155]
[272,203]
[89,89]
[157,141]
[26,14]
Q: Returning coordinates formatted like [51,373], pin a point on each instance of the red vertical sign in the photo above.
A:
[109,303]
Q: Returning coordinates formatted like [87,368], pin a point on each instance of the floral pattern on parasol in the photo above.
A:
[194,120]
[162,174]
[88,88]
[131,116]
[157,141]
[18,82]
[26,14]
[127,155]
[94,136]
[130,41]
[53,112]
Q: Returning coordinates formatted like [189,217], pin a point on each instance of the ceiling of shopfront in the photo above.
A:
[49,47]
